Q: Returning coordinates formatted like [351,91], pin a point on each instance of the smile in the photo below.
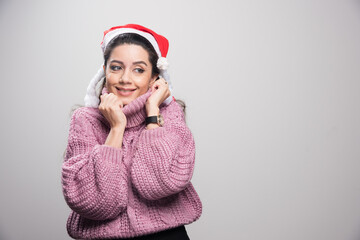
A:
[125,91]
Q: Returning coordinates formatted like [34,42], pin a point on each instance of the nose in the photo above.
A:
[125,78]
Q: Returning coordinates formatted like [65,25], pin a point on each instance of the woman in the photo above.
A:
[130,155]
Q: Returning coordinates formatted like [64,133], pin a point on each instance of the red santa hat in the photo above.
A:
[160,44]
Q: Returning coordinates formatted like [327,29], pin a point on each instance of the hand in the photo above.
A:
[111,108]
[159,92]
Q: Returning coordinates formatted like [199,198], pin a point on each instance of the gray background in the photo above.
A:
[272,89]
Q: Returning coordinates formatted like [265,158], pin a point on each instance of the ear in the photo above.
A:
[104,67]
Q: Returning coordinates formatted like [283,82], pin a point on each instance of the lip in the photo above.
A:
[125,91]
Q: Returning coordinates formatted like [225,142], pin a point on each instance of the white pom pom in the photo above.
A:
[162,63]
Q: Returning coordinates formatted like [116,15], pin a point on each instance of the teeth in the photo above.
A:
[123,90]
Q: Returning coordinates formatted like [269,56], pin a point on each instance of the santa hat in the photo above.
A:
[160,44]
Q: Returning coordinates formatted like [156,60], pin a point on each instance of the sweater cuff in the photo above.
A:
[111,154]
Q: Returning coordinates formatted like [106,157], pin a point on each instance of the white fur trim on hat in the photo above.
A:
[112,34]
[91,100]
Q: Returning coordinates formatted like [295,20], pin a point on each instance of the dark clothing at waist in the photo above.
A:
[178,233]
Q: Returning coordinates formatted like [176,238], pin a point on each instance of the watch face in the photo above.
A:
[160,120]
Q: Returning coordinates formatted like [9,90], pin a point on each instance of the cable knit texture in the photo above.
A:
[141,188]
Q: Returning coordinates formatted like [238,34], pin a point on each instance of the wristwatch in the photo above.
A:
[155,119]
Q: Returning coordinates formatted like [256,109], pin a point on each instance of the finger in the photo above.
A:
[162,80]
[102,96]
[161,87]
[154,86]
[102,100]
[108,100]
[159,79]
[106,95]
[119,103]
[164,86]
[113,100]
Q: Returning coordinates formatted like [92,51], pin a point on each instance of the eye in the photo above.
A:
[139,70]
[115,68]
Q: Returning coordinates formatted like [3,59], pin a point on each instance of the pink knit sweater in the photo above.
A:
[141,188]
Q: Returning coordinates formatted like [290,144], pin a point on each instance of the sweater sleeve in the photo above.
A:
[94,181]
[164,160]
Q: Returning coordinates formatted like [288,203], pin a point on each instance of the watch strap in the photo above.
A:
[151,119]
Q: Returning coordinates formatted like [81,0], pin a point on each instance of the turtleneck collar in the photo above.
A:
[135,111]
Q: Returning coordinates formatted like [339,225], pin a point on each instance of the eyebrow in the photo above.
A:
[137,62]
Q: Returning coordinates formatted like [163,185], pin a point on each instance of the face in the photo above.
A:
[128,72]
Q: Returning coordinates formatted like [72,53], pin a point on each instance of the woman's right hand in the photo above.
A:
[111,108]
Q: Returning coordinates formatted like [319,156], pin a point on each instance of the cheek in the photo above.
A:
[143,84]
[112,78]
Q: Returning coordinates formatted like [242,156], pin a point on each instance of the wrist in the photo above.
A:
[115,137]
[152,126]
[117,129]
[152,110]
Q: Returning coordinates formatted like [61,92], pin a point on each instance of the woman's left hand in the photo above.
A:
[159,92]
